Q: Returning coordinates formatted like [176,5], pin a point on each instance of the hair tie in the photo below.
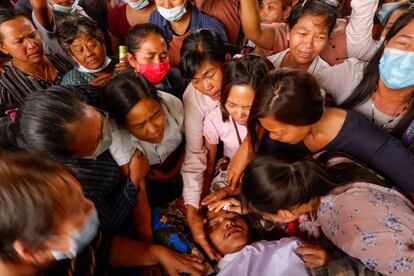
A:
[12,113]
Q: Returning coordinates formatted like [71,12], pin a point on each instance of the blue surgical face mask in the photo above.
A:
[140,4]
[396,68]
[386,11]
[64,9]
[91,71]
[80,238]
[173,14]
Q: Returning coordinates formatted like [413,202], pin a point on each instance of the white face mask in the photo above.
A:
[106,141]
[80,238]
[64,9]
[173,14]
[91,71]
[140,4]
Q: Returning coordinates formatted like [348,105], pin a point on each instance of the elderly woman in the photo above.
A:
[29,69]
[48,15]
[84,42]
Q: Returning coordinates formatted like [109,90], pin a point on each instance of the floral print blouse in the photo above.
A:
[372,223]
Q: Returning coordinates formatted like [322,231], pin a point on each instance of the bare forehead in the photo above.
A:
[16,25]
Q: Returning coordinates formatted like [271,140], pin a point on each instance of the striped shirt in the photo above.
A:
[15,85]
[114,196]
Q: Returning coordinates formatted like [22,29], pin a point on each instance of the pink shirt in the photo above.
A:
[196,107]
[215,130]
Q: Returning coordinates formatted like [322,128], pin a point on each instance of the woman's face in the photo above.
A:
[404,39]
[272,11]
[153,50]
[208,79]
[88,132]
[88,52]
[21,40]
[146,121]
[308,38]
[227,231]
[283,132]
[239,103]
[74,219]
[168,4]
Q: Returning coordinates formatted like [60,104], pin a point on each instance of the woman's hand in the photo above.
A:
[238,163]
[102,79]
[175,263]
[215,196]
[313,255]
[196,223]
[122,66]
[228,204]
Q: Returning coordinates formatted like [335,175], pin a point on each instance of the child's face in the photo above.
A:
[227,231]
[272,11]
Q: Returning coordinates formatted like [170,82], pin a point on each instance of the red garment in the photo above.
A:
[117,22]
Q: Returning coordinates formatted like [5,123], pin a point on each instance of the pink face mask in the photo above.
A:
[154,72]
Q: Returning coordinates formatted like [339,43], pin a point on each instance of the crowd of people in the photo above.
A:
[207,137]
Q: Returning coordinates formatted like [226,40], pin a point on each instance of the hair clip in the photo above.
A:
[12,113]
[304,3]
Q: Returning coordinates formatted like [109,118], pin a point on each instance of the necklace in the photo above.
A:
[49,71]
[402,109]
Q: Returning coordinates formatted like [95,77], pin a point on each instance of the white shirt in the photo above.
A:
[264,258]
[317,65]
[127,144]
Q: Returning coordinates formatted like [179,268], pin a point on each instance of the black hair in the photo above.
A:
[34,198]
[73,27]
[315,8]
[291,96]
[138,34]
[371,76]
[124,92]
[199,47]
[43,122]
[248,70]
[401,6]
[7,14]
[270,184]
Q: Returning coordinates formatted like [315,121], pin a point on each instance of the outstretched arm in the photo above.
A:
[43,13]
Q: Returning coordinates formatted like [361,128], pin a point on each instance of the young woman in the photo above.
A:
[354,208]
[84,42]
[202,59]
[148,55]
[152,122]
[177,19]
[228,121]
[290,106]
[29,69]
[52,229]
[48,15]
[382,89]
[49,122]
